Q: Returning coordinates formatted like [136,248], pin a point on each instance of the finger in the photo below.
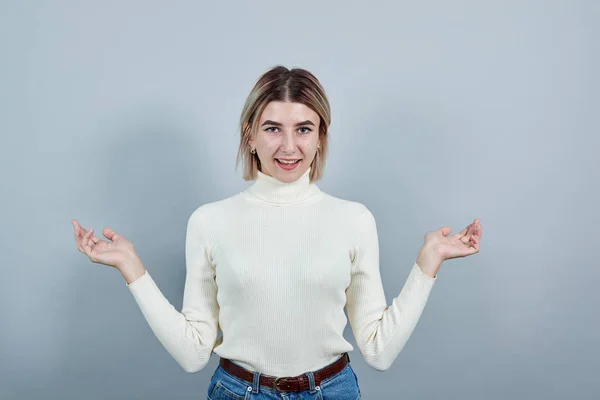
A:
[80,231]
[463,234]
[91,242]
[95,239]
[83,246]
[77,240]
[445,230]
[475,248]
[475,243]
[86,241]
[77,226]
[475,231]
[110,234]
[78,244]
[467,230]
[461,238]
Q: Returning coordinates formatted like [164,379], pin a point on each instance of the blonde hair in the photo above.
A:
[282,84]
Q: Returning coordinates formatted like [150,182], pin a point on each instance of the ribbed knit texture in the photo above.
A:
[272,267]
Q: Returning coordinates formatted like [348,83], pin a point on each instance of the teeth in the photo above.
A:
[288,162]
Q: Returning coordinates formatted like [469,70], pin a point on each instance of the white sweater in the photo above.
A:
[272,267]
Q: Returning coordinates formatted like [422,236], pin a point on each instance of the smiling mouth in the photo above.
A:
[284,162]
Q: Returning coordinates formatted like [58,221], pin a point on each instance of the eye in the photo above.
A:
[307,129]
[270,127]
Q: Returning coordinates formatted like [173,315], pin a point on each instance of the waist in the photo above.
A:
[288,383]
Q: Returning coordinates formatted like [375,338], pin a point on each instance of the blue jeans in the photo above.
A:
[341,386]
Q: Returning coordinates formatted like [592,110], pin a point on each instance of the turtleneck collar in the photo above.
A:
[273,191]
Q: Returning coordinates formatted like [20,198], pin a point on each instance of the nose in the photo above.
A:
[289,142]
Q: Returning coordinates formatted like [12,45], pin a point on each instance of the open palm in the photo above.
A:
[462,244]
[113,253]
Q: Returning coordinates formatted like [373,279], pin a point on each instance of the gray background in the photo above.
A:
[124,114]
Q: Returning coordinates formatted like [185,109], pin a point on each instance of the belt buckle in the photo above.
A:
[276,381]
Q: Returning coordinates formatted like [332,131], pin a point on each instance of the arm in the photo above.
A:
[381,331]
[190,335]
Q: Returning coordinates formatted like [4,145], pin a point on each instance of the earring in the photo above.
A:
[253,151]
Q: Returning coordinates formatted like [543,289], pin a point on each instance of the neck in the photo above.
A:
[273,191]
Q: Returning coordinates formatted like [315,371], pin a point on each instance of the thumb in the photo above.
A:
[110,234]
[445,230]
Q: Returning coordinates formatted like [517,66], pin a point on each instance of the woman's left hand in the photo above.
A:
[438,246]
[462,244]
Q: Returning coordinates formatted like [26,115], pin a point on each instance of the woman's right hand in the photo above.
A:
[115,253]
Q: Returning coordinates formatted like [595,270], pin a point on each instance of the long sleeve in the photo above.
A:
[381,331]
[190,335]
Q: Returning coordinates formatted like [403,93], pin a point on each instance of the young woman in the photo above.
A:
[274,266]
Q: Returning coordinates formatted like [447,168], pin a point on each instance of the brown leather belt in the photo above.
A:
[287,383]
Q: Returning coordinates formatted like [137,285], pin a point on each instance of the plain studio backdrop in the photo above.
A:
[124,114]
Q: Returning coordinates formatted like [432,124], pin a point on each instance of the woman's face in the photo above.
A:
[286,132]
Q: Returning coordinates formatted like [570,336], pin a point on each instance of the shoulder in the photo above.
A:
[352,209]
[213,210]
[355,217]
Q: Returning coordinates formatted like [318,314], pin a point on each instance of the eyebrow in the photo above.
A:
[269,122]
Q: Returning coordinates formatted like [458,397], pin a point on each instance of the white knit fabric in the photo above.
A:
[272,267]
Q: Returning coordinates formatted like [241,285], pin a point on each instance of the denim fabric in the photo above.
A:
[341,386]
